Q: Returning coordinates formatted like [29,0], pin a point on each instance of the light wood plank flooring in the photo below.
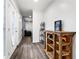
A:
[28,50]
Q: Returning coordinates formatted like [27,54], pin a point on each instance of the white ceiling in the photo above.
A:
[29,5]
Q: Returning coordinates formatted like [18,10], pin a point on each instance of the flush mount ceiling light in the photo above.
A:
[30,16]
[36,0]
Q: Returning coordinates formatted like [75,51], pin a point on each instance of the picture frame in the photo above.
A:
[58,25]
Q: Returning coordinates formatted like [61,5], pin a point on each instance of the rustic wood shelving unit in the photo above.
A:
[49,44]
[58,45]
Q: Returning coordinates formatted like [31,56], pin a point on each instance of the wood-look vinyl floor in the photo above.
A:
[28,50]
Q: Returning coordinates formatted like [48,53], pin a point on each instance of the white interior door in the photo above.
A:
[11,29]
[8,28]
[12,24]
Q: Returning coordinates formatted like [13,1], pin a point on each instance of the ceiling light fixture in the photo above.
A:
[30,16]
[36,0]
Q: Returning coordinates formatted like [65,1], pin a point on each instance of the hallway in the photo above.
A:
[29,50]
[27,22]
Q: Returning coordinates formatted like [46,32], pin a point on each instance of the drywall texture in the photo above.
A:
[13,27]
[37,18]
[64,10]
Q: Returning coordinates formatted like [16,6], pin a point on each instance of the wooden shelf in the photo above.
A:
[58,45]
[63,44]
[64,53]
[50,39]
[51,46]
[49,54]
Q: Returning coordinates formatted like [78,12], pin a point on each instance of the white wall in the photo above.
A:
[61,10]
[13,27]
[37,18]
[1,28]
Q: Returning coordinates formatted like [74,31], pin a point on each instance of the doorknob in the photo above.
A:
[8,29]
[16,31]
